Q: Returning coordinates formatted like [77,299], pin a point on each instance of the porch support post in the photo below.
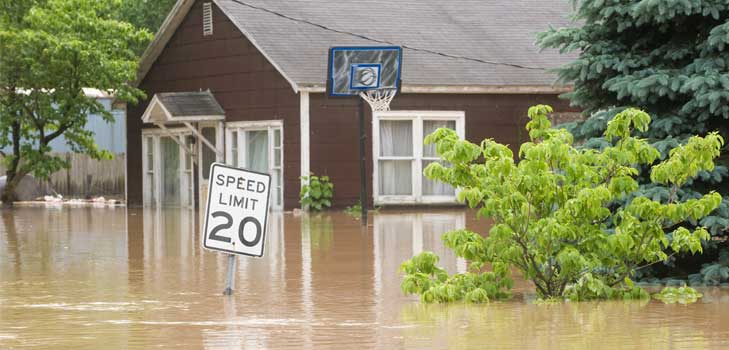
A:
[304,129]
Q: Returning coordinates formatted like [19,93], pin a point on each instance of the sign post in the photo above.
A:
[236,214]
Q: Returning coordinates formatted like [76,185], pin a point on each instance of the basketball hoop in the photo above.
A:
[379,100]
[373,74]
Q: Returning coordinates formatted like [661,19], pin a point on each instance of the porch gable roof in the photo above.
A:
[180,107]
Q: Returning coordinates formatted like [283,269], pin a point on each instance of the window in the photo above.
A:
[401,156]
[258,146]
[207,19]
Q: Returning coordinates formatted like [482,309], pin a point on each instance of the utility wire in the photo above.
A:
[365,37]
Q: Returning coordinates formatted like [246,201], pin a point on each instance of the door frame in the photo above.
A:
[185,175]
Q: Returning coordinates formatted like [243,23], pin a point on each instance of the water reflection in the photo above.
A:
[109,278]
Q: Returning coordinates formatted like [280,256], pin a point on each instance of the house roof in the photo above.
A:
[466,45]
[176,107]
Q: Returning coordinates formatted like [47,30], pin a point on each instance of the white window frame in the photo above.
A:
[266,125]
[417,118]
[186,182]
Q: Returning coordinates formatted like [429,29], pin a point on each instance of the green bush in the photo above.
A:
[555,214]
[355,211]
[317,192]
[681,295]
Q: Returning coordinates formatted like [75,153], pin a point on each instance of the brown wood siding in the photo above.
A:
[335,128]
[245,84]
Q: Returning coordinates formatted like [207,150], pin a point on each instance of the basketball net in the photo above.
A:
[379,100]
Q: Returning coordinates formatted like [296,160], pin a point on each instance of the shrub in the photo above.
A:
[681,295]
[355,211]
[317,192]
[555,214]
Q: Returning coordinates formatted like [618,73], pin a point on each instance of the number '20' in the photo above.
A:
[241,227]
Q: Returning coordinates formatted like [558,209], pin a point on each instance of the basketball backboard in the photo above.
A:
[353,70]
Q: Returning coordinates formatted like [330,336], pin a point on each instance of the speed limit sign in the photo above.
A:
[237,210]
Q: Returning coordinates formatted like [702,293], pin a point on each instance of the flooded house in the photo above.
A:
[245,83]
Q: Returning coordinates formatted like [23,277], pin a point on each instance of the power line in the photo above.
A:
[365,37]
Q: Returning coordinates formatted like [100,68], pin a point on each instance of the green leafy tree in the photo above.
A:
[554,212]
[49,52]
[147,14]
[669,58]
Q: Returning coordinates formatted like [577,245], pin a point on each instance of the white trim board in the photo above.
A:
[465,89]
[305,143]
[255,124]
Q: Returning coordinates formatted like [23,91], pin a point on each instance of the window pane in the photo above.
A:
[170,171]
[188,160]
[152,192]
[277,157]
[150,154]
[436,188]
[278,195]
[208,155]
[396,138]
[257,151]
[277,138]
[395,177]
[234,157]
[429,126]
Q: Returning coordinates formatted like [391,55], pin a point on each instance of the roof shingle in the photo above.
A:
[489,30]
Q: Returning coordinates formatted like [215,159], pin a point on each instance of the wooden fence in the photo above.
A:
[88,177]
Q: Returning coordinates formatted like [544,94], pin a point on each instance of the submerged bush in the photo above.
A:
[317,192]
[423,277]
[555,214]
[681,295]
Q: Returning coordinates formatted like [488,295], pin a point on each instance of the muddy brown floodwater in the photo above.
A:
[115,278]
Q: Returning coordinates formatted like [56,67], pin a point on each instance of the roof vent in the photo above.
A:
[207,19]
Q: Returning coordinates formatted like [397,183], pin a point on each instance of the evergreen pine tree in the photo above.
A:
[669,58]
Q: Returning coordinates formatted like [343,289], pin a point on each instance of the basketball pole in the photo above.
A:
[362,162]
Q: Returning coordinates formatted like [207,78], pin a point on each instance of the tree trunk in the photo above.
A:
[8,196]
